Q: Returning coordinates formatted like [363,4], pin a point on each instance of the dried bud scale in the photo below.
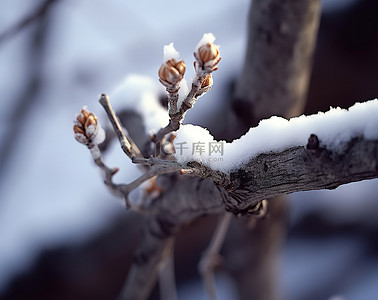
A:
[87,129]
[208,81]
[206,85]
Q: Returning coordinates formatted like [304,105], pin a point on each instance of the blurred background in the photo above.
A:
[63,236]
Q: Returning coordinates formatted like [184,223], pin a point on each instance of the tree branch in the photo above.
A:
[127,144]
[181,203]
[281,40]
[301,169]
[211,256]
[271,174]
[274,81]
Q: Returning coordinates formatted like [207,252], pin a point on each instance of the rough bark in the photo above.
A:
[301,169]
[274,81]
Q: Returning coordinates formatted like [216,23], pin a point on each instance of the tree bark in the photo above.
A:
[277,67]
[274,81]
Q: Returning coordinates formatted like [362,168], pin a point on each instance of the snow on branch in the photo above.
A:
[334,129]
[281,156]
[277,157]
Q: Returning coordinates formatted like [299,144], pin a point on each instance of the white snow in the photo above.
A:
[140,94]
[333,128]
[170,53]
[207,38]
[99,135]
[183,92]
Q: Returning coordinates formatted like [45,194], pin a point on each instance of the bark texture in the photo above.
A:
[301,169]
[274,81]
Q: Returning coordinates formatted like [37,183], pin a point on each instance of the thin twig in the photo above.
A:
[211,256]
[167,282]
[154,171]
[108,172]
[123,190]
[152,161]
[176,118]
[127,144]
[39,13]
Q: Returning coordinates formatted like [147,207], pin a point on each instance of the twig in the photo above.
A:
[123,190]
[108,172]
[127,144]
[120,190]
[152,161]
[34,16]
[211,256]
[167,282]
[154,171]
[176,118]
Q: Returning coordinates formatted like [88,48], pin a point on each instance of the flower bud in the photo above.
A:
[207,55]
[78,129]
[207,52]
[87,129]
[171,72]
[91,121]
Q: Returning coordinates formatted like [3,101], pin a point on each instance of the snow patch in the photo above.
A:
[334,129]
[183,92]
[170,53]
[140,94]
[207,38]
[99,136]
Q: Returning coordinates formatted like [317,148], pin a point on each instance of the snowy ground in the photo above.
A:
[50,192]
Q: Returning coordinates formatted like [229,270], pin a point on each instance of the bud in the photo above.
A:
[171,72]
[87,129]
[207,54]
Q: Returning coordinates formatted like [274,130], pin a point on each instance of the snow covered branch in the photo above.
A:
[301,169]
[277,157]
[283,156]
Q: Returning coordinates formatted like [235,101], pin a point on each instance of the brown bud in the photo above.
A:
[172,71]
[81,118]
[87,129]
[207,52]
[85,113]
[77,129]
[91,120]
[181,67]
[208,81]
